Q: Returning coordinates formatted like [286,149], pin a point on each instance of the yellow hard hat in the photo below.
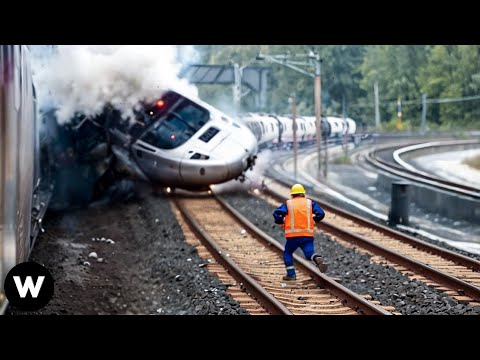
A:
[297,189]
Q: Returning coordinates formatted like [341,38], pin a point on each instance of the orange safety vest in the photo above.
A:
[299,219]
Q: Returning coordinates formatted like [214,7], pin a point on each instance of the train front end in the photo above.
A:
[189,144]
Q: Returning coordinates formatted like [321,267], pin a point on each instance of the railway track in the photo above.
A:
[455,274]
[255,261]
[375,159]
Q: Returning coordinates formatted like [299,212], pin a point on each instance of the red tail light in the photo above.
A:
[160,103]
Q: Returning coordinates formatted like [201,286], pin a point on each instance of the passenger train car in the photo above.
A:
[24,184]
[275,131]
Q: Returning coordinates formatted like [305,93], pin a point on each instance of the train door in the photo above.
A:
[279,126]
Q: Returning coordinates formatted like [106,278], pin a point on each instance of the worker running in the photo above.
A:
[297,216]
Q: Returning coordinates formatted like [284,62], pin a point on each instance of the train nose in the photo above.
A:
[247,140]
[239,153]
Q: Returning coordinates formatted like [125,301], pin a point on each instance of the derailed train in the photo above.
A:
[176,141]
[277,131]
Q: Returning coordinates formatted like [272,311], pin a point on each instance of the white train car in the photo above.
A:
[287,130]
[274,130]
[310,128]
[351,126]
[337,126]
[270,129]
[251,121]
[22,175]
[301,129]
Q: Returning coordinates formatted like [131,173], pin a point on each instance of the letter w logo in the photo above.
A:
[28,286]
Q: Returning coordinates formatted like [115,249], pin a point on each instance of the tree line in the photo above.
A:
[348,74]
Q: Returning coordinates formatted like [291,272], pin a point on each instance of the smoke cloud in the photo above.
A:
[84,78]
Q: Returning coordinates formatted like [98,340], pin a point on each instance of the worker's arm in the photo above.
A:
[280,213]
[318,213]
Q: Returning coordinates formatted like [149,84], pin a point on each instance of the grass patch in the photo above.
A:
[473,161]
[342,160]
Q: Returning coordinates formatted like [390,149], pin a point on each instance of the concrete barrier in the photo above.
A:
[431,150]
[453,206]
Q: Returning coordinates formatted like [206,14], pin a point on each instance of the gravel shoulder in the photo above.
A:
[149,269]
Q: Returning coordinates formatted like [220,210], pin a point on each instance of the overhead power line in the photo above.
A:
[429,101]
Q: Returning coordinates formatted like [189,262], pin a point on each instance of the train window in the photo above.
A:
[178,126]
[263,128]
[165,135]
[271,126]
[192,115]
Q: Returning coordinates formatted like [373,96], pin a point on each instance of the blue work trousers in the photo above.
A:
[305,243]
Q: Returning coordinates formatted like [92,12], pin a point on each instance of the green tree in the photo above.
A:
[395,68]
[340,75]
[349,73]
[450,73]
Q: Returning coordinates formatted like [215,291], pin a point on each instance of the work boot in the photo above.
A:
[320,264]
[290,277]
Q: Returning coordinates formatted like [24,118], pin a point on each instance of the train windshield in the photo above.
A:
[179,125]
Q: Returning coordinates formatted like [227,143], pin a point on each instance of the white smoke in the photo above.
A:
[84,78]
[187,54]
[262,163]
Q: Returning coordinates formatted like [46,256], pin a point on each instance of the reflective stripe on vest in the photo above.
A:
[298,221]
